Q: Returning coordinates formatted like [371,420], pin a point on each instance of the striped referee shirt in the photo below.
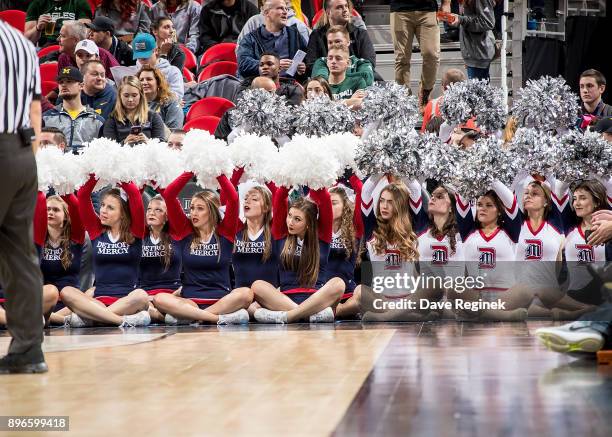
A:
[20,79]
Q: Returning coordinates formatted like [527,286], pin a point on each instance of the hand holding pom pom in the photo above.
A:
[321,116]
[206,156]
[262,113]
[253,153]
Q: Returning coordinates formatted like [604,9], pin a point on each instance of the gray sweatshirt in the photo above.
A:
[476,33]
[185,20]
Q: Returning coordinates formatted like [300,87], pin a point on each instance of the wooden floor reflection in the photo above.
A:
[430,379]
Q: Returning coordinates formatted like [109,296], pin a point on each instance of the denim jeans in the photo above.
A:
[478,73]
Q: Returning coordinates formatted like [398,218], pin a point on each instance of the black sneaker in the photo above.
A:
[32,361]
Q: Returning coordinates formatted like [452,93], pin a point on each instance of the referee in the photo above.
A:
[20,119]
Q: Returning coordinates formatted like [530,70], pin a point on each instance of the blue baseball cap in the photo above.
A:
[143,45]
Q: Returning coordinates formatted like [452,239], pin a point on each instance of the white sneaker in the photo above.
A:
[324,316]
[240,317]
[571,337]
[169,319]
[76,321]
[263,315]
[141,318]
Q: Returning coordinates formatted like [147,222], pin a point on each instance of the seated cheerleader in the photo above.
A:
[490,247]
[116,237]
[346,241]
[160,265]
[301,243]
[589,196]
[441,254]
[206,242]
[392,250]
[59,238]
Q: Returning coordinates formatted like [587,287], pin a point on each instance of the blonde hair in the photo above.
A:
[139,115]
[347,228]
[306,265]
[213,203]
[65,233]
[398,229]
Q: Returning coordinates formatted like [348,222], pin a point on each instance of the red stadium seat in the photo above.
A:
[93,4]
[217,68]
[225,51]
[48,86]
[47,50]
[215,106]
[191,62]
[320,13]
[188,76]
[148,3]
[208,123]
[15,18]
[48,72]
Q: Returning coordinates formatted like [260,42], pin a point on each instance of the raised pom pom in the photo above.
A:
[58,170]
[388,151]
[320,116]
[582,156]
[206,156]
[261,112]
[253,153]
[390,105]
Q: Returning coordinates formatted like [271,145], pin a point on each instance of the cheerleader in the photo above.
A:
[346,241]
[160,265]
[589,196]
[206,241]
[116,237]
[59,238]
[302,244]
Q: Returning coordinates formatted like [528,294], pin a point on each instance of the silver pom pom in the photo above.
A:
[583,155]
[262,113]
[391,104]
[481,164]
[547,103]
[534,150]
[474,98]
[387,151]
[438,159]
[321,116]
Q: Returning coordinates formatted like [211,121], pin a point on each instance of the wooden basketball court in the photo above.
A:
[432,379]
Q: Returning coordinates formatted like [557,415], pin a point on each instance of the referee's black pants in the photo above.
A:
[20,274]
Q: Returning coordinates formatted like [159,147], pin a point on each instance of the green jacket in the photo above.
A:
[359,68]
[347,87]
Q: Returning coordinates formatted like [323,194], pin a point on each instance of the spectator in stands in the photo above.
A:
[269,66]
[185,14]
[410,18]
[344,87]
[102,32]
[52,136]
[273,36]
[79,123]
[592,87]
[339,13]
[432,109]
[45,18]
[176,138]
[222,21]
[167,47]
[604,127]
[357,67]
[129,16]
[97,93]
[318,86]
[85,50]
[132,122]
[147,53]
[476,38]
[159,97]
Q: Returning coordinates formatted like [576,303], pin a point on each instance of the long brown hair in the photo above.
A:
[450,228]
[398,230]
[141,113]
[164,236]
[347,228]
[267,221]
[65,233]
[306,265]
[499,205]
[213,203]
[164,94]
[597,190]
[125,234]
[547,195]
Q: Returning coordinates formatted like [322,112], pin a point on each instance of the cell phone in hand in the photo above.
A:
[136,130]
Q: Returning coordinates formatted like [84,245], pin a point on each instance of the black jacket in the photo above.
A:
[118,131]
[217,26]
[176,57]
[122,52]
[361,45]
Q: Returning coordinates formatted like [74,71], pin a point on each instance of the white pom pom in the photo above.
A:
[161,163]
[253,152]
[342,146]
[103,158]
[306,161]
[206,156]
[58,170]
